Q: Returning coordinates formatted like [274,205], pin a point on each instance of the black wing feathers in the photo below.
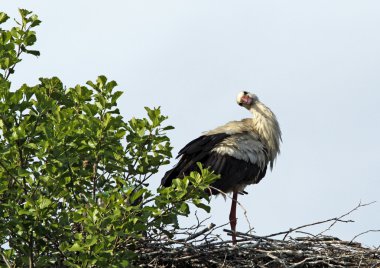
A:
[195,151]
[233,172]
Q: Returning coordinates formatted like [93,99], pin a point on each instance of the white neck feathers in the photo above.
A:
[266,125]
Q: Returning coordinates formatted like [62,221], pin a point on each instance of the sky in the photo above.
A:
[316,64]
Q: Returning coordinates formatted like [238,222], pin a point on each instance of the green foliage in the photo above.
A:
[16,41]
[74,174]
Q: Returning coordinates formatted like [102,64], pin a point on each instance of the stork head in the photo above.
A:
[246,99]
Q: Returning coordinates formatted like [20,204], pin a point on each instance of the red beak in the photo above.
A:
[246,99]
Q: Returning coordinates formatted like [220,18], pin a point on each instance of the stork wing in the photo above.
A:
[240,159]
[195,151]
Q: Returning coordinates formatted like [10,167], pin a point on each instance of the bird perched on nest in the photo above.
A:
[239,151]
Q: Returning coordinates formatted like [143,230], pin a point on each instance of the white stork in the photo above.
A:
[239,151]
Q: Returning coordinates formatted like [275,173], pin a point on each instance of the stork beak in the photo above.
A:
[246,100]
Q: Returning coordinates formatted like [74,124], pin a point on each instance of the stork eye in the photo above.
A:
[241,104]
[245,92]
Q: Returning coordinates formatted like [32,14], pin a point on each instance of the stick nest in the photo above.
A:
[256,251]
[202,248]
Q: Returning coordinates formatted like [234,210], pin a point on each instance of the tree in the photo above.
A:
[74,174]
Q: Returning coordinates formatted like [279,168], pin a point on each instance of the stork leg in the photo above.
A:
[233,219]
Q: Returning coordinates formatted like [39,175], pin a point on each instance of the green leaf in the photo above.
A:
[75,247]
[91,84]
[91,240]
[24,212]
[137,194]
[22,172]
[3,17]
[203,206]
[116,95]
[44,202]
[5,64]
[110,86]
[30,39]
[92,144]
[35,21]
[5,37]
[31,146]
[101,81]
[184,209]
[124,263]
[24,12]
[33,52]
[168,128]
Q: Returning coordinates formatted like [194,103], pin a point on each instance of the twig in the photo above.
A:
[191,237]
[240,205]
[334,220]
[369,231]
[6,260]
[338,219]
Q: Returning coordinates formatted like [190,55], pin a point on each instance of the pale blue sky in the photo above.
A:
[316,64]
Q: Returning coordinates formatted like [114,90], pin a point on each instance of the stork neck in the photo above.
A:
[266,125]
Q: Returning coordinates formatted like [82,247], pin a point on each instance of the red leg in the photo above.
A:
[233,219]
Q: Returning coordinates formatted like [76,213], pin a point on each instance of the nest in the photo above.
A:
[202,248]
[256,251]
